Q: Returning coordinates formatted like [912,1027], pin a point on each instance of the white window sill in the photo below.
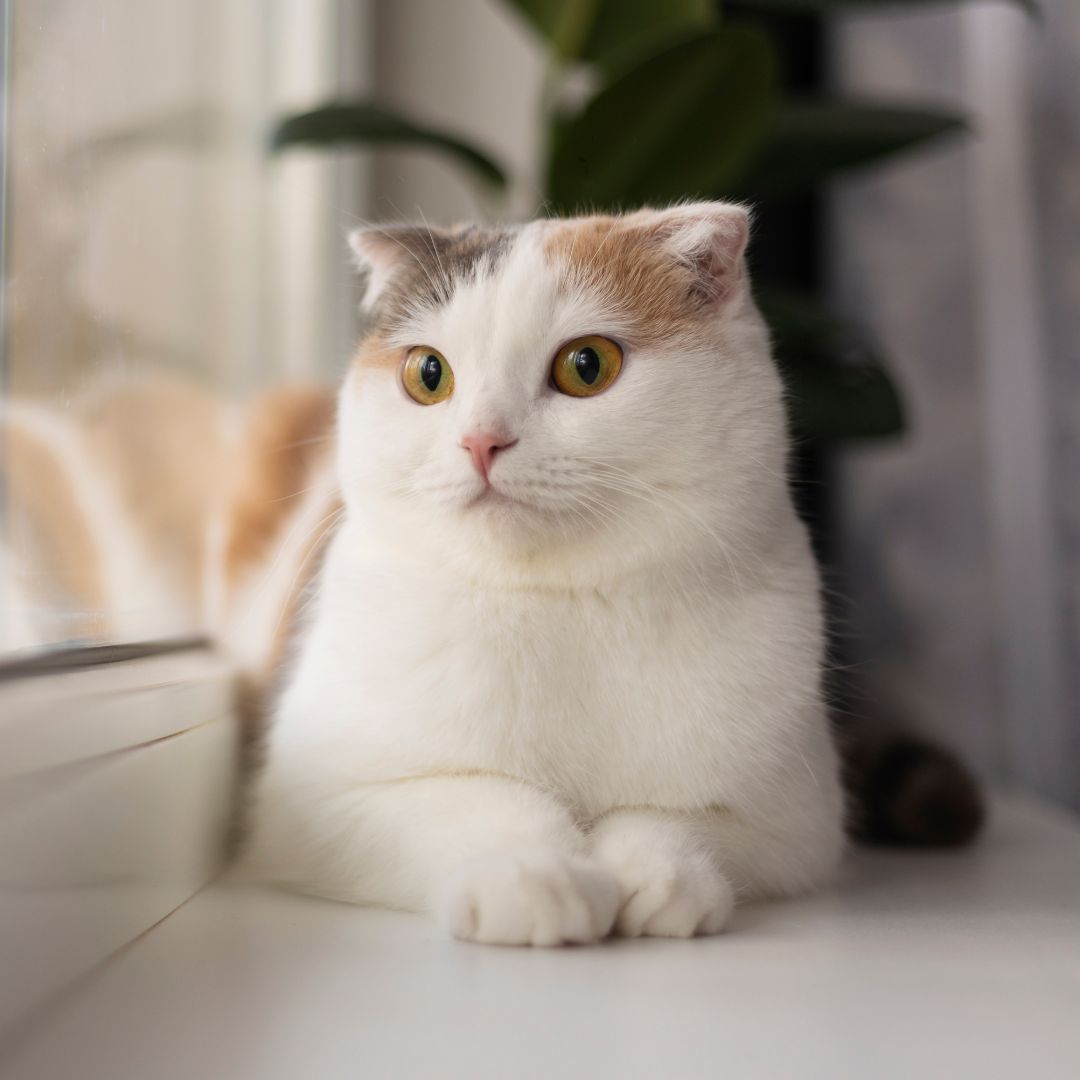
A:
[947,964]
[116,786]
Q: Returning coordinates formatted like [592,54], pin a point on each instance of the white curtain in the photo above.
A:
[961,543]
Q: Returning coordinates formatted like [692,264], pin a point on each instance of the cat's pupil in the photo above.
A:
[431,372]
[587,363]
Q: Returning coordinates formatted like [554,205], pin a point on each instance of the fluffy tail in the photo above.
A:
[906,790]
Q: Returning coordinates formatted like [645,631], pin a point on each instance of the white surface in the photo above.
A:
[949,965]
[116,787]
[59,719]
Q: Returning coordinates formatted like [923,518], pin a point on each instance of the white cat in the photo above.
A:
[562,671]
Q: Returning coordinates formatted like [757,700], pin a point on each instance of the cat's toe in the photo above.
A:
[532,898]
[674,898]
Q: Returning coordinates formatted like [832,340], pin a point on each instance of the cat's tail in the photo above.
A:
[903,789]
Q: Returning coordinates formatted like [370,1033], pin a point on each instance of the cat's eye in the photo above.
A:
[426,376]
[586,366]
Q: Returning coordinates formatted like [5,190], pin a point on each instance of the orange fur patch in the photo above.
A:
[624,259]
[289,433]
[374,352]
[162,445]
[53,540]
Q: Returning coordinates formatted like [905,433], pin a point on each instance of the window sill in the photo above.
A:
[943,964]
[116,788]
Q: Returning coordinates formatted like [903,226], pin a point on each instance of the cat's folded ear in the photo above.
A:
[381,252]
[708,238]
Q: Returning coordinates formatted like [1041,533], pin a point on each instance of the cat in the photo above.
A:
[598,706]
[563,670]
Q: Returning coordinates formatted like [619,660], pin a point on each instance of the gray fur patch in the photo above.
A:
[434,263]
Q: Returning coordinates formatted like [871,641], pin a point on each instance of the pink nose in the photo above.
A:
[483,447]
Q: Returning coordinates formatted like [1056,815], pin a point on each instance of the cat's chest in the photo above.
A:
[537,641]
[513,653]
[565,686]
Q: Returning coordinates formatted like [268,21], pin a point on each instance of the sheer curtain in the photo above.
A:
[962,542]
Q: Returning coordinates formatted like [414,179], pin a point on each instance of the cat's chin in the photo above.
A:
[505,519]
[505,523]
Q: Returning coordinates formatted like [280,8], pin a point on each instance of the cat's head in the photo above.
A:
[566,396]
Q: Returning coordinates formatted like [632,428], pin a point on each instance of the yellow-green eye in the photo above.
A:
[586,366]
[426,376]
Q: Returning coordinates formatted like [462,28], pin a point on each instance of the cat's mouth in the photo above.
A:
[495,498]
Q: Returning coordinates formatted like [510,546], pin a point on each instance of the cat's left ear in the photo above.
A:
[709,238]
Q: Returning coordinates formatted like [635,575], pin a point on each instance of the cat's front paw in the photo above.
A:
[673,899]
[670,888]
[530,898]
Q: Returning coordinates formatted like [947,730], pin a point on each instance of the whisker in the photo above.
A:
[290,535]
[314,547]
[308,442]
[635,485]
[435,250]
[388,234]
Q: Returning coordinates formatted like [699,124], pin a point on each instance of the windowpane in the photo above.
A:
[159,266]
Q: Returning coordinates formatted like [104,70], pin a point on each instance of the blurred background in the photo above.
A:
[178,179]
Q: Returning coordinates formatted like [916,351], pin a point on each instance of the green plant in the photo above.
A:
[689,102]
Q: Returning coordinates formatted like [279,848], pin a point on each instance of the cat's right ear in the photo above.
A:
[379,252]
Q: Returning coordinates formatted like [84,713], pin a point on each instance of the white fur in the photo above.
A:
[598,703]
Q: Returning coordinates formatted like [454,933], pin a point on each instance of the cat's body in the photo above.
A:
[606,698]
[584,684]
[532,686]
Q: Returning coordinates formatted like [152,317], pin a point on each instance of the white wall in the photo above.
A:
[471,67]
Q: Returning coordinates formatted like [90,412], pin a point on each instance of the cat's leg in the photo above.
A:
[785,850]
[493,859]
[680,873]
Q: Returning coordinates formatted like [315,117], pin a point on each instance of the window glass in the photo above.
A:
[159,265]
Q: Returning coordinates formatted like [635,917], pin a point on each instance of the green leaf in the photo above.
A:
[608,32]
[837,386]
[360,123]
[566,25]
[809,141]
[683,123]
[829,6]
